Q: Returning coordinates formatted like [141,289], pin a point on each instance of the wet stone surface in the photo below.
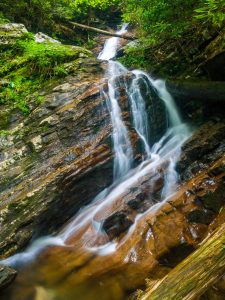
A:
[7,275]
[116,224]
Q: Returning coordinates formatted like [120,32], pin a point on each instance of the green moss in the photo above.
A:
[44,128]
[29,67]
[4,133]
[4,119]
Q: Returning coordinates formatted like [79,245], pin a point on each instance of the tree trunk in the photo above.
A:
[193,276]
[104,32]
[205,91]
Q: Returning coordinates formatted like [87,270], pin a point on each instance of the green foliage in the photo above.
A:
[3,20]
[36,14]
[43,15]
[134,58]
[159,19]
[84,5]
[170,29]
[212,11]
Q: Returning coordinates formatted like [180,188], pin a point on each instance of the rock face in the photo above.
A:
[55,161]
[7,275]
[203,148]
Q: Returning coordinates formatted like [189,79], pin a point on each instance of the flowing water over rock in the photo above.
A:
[103,231]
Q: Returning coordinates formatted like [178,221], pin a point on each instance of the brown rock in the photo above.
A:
[7,275]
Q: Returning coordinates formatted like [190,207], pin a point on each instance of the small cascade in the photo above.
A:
[168,148]
[160,86]
[111,45]
[123,158]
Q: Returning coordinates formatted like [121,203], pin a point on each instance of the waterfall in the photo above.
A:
[122,145]
[167,149]
[139,113]
[111,45]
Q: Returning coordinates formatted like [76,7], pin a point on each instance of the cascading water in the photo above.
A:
[86,226]
[139,113]
[111,45]
[122,145]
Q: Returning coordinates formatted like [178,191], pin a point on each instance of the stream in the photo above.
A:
[88,259]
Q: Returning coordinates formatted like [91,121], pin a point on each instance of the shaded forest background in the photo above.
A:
[153,19]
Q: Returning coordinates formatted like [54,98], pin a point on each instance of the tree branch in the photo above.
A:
[104,32]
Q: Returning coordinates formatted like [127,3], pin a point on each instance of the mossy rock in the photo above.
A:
[10,32]
[28,67]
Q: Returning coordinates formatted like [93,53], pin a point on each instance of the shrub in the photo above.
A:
[213,11]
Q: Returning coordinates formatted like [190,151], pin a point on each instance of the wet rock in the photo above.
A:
[120,53]
[203,216]
[200,91]
[58,100]
[135,204]
[204,147]
[160,239]
[217,170]
[50,121]
[36,143]
[62,88]
[116,224]
[156,111]
[7,275]
[176,254]
[214,200]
